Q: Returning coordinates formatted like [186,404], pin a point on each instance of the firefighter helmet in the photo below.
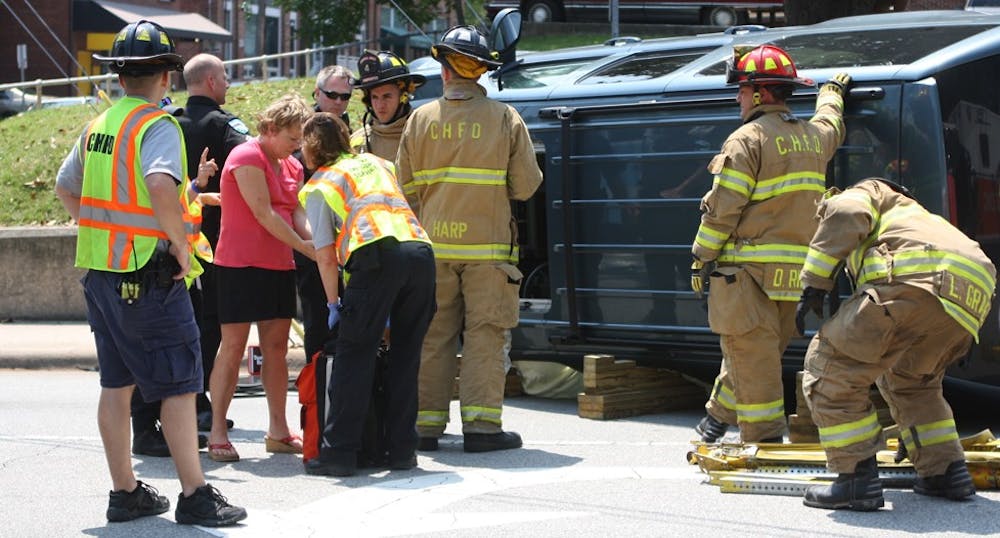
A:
[762,66]
[142,48]
[468,42]
[377,68]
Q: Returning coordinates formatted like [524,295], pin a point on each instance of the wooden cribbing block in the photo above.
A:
[619,388]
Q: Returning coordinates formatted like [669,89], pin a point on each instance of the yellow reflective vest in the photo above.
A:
[366,201]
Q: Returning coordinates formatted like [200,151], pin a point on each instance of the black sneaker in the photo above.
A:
[143,501]
[150,443]
[334,465]
[488,442]
[208,508]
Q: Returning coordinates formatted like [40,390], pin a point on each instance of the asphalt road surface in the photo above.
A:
[574,477]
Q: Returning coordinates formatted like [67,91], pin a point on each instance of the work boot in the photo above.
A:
[427,444]
[403,464]
[955,484]
[860,490]
[330,463]
[208,508]
[143,501]
[710,429]
[488,442]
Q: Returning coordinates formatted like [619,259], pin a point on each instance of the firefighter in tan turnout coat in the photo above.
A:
[757,221]
[922,291]
[462,158]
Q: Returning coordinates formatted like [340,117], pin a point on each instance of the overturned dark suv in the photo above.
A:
[624,142]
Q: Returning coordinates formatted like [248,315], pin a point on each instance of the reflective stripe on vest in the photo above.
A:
[932,433]
[380,212]
[849,433]
[117,223]
[472,413]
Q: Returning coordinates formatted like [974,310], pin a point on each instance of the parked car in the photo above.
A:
[15,101]
[623,142]
[713,13]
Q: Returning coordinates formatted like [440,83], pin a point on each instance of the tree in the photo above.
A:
[813,11]
[331,22]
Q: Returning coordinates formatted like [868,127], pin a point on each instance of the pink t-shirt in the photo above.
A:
[243,242]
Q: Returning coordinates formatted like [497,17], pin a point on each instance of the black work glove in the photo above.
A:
[811,300]
[840,83]
[699,276]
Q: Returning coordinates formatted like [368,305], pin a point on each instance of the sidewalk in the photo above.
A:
[70,344]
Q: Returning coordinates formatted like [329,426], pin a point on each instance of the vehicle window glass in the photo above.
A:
[642,67]
[539,75]
[972,144]
[858,49]
[432,89]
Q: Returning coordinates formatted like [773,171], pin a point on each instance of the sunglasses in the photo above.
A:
[336,95]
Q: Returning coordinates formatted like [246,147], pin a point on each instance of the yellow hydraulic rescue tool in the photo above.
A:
[789,469]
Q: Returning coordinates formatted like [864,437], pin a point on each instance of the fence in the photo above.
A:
[261,69]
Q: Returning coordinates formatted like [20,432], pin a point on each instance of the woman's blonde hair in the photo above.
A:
[325,138]
[287,111]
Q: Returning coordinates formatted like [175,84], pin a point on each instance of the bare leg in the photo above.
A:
[274,374]
[177,417]
[225,373]
[113,420]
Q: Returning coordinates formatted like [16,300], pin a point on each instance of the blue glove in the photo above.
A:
[334,314]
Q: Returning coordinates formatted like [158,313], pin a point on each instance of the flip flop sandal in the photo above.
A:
[223,452]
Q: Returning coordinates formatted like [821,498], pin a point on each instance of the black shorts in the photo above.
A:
[253,294]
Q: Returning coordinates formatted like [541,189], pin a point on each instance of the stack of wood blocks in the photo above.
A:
[618,388]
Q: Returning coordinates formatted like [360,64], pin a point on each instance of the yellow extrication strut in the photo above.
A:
[789,469]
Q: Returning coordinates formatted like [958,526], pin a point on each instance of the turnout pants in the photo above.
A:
[900,338]
[388,281]
[754,331]
[478,301]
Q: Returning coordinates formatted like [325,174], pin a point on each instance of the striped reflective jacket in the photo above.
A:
[117,230]
[461,160]
[366,202]
[768,179]
[884,237]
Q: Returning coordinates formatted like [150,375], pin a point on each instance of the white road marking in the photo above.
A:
[414,506]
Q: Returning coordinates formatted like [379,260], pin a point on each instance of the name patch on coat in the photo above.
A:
[782,277]
[965,293]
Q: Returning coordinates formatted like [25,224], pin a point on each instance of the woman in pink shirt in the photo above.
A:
[262,222]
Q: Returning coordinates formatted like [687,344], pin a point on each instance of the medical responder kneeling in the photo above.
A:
[361,222]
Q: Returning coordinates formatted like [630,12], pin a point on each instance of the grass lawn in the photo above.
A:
[34,144]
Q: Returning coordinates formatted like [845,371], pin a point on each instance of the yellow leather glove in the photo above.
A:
[699,276]
[839,84]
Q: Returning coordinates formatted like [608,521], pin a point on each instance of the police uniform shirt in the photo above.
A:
[160,153]
[205,124]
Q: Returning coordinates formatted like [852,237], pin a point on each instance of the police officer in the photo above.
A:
[205,125]
[462,158]
[756,221]
[922,290]
[391,268]
[388,86]
[132,239]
